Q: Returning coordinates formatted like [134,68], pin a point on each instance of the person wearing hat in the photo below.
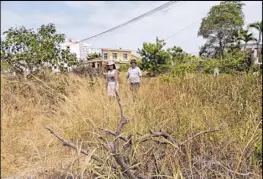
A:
[112,79]
[134,75]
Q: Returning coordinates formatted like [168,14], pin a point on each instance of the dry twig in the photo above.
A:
[115,145]
[70,144]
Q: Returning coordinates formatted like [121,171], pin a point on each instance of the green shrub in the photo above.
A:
[256,68]
[232,63]
[167,78]
[4,66]
[209,65]
[183,68]
[124,67]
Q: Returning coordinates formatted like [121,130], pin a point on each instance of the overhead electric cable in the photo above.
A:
[182,30]
[162,7]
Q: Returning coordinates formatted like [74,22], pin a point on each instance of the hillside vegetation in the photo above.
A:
[78,110]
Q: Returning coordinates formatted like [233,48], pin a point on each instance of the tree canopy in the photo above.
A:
[221,23]
[34,47]
[154,57]
[246,37]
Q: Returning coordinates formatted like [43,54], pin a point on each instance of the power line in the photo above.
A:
[182,29]
[167,38]
[164,6]
[161,10]
[169,8]
[131,21]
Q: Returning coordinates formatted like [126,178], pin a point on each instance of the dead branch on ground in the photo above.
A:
[132,170]
[70,144]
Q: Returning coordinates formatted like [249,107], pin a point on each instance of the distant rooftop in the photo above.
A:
[136,55]
[112,49]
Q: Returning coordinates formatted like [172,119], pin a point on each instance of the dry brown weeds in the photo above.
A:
[78,111]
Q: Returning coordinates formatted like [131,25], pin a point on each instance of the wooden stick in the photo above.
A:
[114,134]
[115,144]
[70,144]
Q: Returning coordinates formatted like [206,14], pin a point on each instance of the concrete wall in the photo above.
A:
[74,48]
[135,58]
[80,49]
[119,55]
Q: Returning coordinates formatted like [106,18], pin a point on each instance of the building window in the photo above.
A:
[114,55]
[105,56]
[125,56]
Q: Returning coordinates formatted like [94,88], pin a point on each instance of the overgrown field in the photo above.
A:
[79,110]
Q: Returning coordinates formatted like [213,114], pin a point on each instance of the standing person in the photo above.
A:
[112,79]
[134,75]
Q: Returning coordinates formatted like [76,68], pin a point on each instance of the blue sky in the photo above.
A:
[81,19]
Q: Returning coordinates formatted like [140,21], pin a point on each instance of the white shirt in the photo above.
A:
[134,74]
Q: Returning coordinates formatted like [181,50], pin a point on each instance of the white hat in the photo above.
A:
[110,63]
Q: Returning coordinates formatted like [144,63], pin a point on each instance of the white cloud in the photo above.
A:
[87,18]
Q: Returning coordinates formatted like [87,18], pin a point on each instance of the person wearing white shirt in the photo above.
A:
[134,75]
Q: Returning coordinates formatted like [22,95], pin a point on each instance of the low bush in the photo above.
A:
[256,68]
[124,67]
[183,68]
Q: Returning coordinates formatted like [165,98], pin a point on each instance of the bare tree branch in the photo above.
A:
[123,121]
[114,134]
[115,144]
[128,143]
[157,134]
[70,144]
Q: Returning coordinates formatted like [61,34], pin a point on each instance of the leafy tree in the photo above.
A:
[208,50]
[154,57]
[93,56]
[32,48]
[235,43]
[257,26]
[245,36]
[221,23]
[177,55]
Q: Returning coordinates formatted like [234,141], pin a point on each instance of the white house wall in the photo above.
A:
[80,49]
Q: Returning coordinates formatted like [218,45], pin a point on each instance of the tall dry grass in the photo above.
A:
[78,110]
